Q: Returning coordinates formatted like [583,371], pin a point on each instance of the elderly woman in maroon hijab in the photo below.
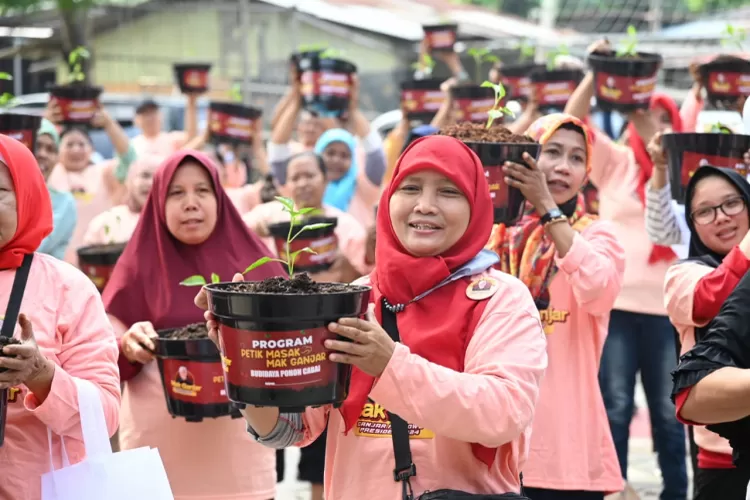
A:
[188,226]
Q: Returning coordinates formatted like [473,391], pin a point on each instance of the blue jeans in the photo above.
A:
[645,343]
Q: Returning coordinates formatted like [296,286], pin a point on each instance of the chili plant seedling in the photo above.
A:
[235,93]
[527,52]
[497,111]
[630,44]
[481,56]
[330,53]
[295,215]
[720,128]
[312,47]
[734,36]
[6,99]
[75,63]
[562,50]
[426,64]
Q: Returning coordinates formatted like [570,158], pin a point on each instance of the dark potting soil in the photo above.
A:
[190,332]
[300,284]
[477,132]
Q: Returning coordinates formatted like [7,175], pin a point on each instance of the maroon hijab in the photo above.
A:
[145,284]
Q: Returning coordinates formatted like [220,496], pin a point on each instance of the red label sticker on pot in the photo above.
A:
[195,78]
[98,274]
[292,359]
[553,93]
[625,89]
[498,188]
[326,83]
[421,101]
[442,39]
[729,83]
[325,248]
[232,126]
[516,86]
[473,110]
[25,137]
[194,381]
[693,161]
[79,110]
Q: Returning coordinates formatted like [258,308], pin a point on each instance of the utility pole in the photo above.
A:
[245,40]
[17,67]
[656,15]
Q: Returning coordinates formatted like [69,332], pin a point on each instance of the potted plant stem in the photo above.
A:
[495,144]
[98,261]
[78,101]
[421,98]
[326,82]
[516,78]
[553,87]
[625,80]
[21,127]
[727,78]
[232,122]
[687,152]
[472,101]
[322,241]
[192,78]
[192,374]
[440,37]
[271,332]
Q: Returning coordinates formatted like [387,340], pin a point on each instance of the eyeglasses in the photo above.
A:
[706,215]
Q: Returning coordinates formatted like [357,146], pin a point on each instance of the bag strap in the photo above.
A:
[405,468]
[93,422]
[16,296]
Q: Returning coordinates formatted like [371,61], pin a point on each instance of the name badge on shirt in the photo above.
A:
[482,289]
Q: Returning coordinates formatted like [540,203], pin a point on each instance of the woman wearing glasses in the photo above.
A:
[716,204]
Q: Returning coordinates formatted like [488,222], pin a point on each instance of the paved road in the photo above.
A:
[643,471]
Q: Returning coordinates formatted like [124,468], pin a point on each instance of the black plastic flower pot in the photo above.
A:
[232,123]
[272,342]
[553,88]
[322,241]
[78,103]
[192,78]
[440,37]
[421,99]
[98,261]
[726,79]
[686,153]
[23,128]
[507,201]
[192,374]
[516,78]
[624,84]
[326,84]
[472,102]
[296,57]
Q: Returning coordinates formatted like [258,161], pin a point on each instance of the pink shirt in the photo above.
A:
[679,288]
[352,236]
[116,225]
[691,108]
[615,173]
[163,144]
[72,330]
[571,443]
[215,459]
[245,197]
[96,197]
[491,403]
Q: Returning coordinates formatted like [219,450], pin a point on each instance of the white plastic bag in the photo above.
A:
[115,476]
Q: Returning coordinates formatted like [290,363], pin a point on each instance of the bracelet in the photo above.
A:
[555,221]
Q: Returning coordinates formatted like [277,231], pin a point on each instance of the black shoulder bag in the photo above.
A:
[405,468]
[9,324]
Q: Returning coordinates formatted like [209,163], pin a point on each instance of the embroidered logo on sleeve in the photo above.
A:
[374,422]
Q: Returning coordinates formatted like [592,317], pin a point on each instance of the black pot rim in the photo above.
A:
[440,27]
[197,65]
[643,58]
[221,288]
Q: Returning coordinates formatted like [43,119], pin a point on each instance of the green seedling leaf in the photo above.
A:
[6,76]
[288,203]
[215,278]
[480,56]
[196,280]
[497,111]
[630,44]
[312,227]
[257,264]
[309,211]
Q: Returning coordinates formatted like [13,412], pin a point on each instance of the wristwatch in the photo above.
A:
[554,214]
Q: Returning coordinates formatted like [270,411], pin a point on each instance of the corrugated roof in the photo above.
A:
[403,19]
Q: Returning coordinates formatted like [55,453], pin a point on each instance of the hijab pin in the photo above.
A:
[482,289]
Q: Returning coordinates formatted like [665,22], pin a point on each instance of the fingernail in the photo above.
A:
[332,326]
[328,343]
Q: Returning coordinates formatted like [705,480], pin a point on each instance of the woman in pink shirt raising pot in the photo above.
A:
[465,374]
[62,334]
[573,267]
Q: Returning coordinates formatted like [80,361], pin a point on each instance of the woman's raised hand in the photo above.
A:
[137,345]
[22,363]
[656,151]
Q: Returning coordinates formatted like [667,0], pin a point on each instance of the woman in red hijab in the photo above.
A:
[63,332]
[188,226]
[465,374]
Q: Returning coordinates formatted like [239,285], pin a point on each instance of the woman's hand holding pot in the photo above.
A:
[656,152]
[201,300]
[370,349]
[599,47]
[25,364]
[530,181]
[137,345]
[53,111]
[746,158]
